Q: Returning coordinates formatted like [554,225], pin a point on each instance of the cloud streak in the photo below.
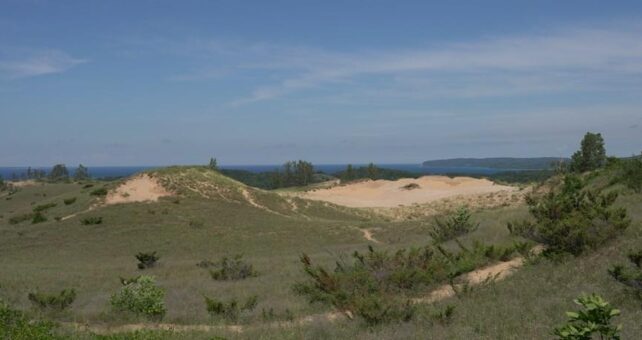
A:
[37,63]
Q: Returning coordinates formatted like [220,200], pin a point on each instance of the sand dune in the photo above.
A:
[141,188]
[407,191]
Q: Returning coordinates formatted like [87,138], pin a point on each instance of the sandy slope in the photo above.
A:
[141,188]
[383,193]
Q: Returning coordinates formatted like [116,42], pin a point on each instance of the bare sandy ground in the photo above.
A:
[142,188]
[387,194]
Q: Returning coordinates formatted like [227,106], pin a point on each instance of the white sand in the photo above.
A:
[142,188]
[386,194]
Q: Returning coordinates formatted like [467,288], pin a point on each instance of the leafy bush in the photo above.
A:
[572,218]
[233,269]
[629,173]
[38,218]
[445,315]
[230,310]
[69,201]
[58,301]
[99,192]
[91,220]
[631,277]
[595,318]
[43,207]
[147,260]
[453,226]
[16,325]
[141,296]
[21,218]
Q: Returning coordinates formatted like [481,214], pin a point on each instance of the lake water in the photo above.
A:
[123,171]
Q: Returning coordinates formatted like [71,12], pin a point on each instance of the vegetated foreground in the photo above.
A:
[207,256]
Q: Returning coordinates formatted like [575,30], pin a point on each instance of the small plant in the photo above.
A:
[453,226]
[99,192]
[594,319]
[38,218]
[15,324]
[58,301]
[43,207]
[444,316]
[91,220]
[147,260]
[410,186]
[140,296]
[88,185]
[69,201]
[21,218]
[233,269]
[230,310]
[631,277]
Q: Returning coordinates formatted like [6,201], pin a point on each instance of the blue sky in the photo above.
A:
[261,82]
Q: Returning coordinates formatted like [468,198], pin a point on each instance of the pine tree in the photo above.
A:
[348,175]
[59,173]
[82,173]
[213,164]
[372,171]
[591,155]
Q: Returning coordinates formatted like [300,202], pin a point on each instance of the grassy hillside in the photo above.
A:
[212,216]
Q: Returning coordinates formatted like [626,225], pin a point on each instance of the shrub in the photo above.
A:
[43,207]
[91,220]
[445,315]
[411,186]
[230,310]
[58,301]
[38,218]
[16,325]
[572,218]
[631,277]
[630,173]
[69,201]
[595,318]
[453,226]
[99,192]
[147,260]
[233,269]
[88,185]
[21,218]
[142,297]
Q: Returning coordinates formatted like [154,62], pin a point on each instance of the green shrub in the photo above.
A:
[16,325]
[230,310]
[453,226]
[69,201]
[630,276]
[572,218]
[88,185]
[21,218]
[38,218]
[99,192]
[233,269]
[142,297]
[630,173]
[147,260]
[91,220]
[444,316]
[58,301]
[271,315]
[43,207]
[594,319]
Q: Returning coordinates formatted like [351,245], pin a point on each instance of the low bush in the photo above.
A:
[69,201]
[444,316]
[630,276]
[58,301]
[99,192]
[21,218]
[16,325]
[453,226]
[594,318]
[140,296]
[147,260]
[233,269]
[271,315]
[230,310]
[38,217]
[91,220]
[629,173]
[43,207]
[572,218]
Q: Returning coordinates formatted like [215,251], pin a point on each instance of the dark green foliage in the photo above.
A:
[58,173]
[591,155]
[88,185]
[373,172]
[99,192]
[140,296]
[594,318]
[535,163]
[38,217]
[271,315]
[630,276]
[69,201]
[141,335]
[15,325]
[213,165]
[43,207]
[82,173]
[293,173]
[453,226]
[348,174]
[230,310]
[58,301]
[91,220]
[233,269]
[21,218]
[572,218]
[411,186]
[629,172]
[146,260]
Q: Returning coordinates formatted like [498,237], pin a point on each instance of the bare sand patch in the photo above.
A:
[388,194]
[142,188]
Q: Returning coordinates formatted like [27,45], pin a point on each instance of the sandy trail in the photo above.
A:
[494,272]
[406,191]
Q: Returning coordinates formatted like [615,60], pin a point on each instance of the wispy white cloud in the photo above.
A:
[36,63]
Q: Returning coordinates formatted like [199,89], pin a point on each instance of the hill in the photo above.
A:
[506,163]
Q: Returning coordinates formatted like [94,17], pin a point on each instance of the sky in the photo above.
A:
[261,82]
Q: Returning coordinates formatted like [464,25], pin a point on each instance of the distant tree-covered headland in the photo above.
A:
[536,163]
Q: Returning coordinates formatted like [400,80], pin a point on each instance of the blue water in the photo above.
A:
[123,171]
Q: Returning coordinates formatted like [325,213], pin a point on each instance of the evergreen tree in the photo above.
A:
[591,155]
[372,171]
[82,173]
[349,173]
[59,173]
[213,164]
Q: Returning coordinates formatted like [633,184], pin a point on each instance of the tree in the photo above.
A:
[591,155]
[372,171]
[82,173]
[59,173]
[213,164]
[348,175]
